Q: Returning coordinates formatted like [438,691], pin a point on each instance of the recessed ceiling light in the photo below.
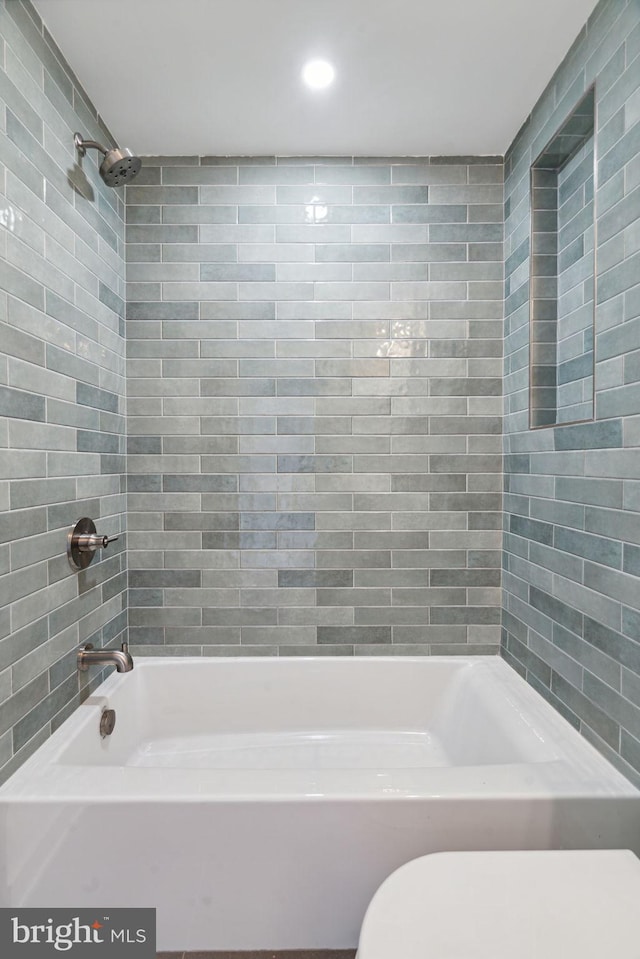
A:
[318,74]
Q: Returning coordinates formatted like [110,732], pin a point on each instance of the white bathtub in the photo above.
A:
[259,803]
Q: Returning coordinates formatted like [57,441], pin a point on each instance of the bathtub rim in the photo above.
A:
[580,770]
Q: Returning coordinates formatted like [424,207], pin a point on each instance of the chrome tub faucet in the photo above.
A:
[120,658]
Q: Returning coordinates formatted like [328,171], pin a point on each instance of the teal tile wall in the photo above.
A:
[61,386]
[314,405]
[315,377]
[572,493]
[576,287]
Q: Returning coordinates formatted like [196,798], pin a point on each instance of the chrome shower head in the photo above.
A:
[119,165]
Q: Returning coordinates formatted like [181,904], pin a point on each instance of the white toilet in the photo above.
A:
[502,905]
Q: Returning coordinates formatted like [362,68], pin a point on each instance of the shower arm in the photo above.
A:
[82,145]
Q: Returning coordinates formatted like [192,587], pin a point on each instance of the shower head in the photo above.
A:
[119,165]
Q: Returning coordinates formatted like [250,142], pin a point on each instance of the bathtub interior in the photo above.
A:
[320,715]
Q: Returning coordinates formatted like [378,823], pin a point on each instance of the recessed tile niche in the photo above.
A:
[563,272]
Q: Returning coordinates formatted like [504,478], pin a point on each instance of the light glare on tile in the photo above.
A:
[318,74]
[316,210]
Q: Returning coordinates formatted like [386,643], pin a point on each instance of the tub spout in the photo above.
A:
[120,658]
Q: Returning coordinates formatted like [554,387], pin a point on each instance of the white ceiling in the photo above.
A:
[413,77]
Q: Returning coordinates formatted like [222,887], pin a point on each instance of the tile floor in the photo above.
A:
[289,954]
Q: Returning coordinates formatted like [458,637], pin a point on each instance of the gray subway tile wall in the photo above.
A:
[315,378]
[576,287]
[314,405]
[571,599]
[62,390]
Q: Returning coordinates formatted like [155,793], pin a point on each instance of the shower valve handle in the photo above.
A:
[86,542]
[83,541]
